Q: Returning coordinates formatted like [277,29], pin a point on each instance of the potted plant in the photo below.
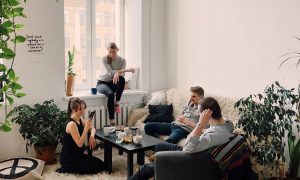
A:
[266,119]
[70,73]
[294,147]
[43,126]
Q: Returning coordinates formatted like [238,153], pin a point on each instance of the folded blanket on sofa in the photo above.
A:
[233,159]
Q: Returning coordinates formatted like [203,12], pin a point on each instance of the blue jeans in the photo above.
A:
[175,133]
[109,89]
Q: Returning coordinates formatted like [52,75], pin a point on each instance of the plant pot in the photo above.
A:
[70,85]
[46,153]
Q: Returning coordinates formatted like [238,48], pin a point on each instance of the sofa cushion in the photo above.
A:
[157,98]
[160,113]
[135,115]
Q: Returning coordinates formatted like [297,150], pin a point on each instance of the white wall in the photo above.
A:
[230,48]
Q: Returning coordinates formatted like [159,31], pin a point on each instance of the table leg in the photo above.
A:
[108,156]
[141,158]
[120,152]
[129,164]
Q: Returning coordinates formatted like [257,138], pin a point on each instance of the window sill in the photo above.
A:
[86,94]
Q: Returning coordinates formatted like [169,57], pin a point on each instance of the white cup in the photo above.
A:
[137,139]
[108,129]
[121,135]
[126,130]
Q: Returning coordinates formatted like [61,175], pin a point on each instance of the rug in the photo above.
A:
[119,169]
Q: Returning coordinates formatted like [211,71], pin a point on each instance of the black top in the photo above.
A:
[70,151]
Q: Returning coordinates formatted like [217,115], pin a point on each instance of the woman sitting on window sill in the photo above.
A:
[111,80]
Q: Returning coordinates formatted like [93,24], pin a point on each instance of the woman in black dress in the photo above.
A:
[72,158]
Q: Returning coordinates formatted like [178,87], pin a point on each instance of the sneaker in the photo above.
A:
[112,122]
[117,108]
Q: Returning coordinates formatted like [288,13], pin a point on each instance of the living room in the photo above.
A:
[231,49]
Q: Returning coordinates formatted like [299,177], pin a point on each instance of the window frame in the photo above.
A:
[91,45]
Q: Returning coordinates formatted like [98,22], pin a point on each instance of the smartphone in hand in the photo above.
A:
[92,114]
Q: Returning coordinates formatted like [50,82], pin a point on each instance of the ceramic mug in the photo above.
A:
[121,135]
[94,91]
[108,129]
[137,139]
[126,130]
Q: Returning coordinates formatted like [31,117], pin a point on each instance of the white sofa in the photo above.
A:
[179,99]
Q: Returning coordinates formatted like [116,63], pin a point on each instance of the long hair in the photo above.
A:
[75,104]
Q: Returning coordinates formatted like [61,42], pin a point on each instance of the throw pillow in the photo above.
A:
[158,98]
[135,115]
[24,168]
[160,113]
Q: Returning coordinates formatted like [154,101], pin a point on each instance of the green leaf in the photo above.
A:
[8,53]
[6,128]
[4,88]
[2,68]
[19,26]
[11,74]
[7,24]
[20,95]
[13,2]
[18,10]
[17,86]
[20,39]
[10,100]
[3,31]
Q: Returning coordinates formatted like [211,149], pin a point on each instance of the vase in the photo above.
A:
[70,85]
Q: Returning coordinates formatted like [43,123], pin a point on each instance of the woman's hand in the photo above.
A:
[116,78]
[132,70]
[88,124]
[92,142]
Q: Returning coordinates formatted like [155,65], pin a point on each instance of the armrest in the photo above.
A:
[177,165]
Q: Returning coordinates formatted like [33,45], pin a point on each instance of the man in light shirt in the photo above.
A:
[184,124]
[219,132]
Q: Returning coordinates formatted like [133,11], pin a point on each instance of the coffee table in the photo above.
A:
[148,143]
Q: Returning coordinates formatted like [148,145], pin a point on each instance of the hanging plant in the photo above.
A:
[9,38]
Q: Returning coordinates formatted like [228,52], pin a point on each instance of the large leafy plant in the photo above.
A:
[9,88]
[266,119]
[42,124]
[294,147]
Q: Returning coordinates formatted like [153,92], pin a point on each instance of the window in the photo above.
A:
[107,39]
[83,41]
[67,41]
[67,17]
[93,26]
[82,17]
[98,42]
[98,18]
[107,19]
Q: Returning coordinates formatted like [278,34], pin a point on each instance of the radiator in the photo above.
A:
[101,117]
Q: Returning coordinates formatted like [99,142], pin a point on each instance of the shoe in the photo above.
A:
[113,123]
[117,108]
[151,158]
